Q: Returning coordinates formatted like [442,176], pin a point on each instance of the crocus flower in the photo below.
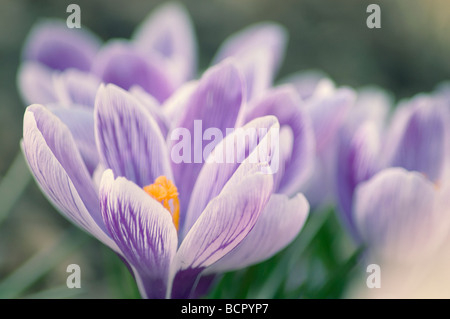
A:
[171,222]
[403,218]
[393,195]
[415,140]
[160,56]
[327,107]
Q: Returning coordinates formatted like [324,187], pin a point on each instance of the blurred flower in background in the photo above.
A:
[374,170]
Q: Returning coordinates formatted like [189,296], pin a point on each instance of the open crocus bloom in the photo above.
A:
[172,223]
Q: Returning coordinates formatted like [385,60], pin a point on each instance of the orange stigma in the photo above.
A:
[165,192]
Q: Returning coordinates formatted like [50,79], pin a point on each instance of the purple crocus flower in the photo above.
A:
[414,140]
[327,106]
[171,222]
[402,217]
[159,57]
[393,193]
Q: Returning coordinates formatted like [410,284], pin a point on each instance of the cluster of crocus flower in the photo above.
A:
[99,141]
[393,192]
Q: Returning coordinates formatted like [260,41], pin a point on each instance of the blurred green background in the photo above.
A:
[408,55]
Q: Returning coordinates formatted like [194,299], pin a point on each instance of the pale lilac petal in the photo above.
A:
[215,103]
[169,32]
[285,104]
[372,104]
[121,64]
[81,124]
[76,87]
[175,106]
[306,82]
[267,36]
[128,138]
[225,222]
[285,149]
[327,109]
[417,139]
[320,189]
[256,67]
[143,230]
[58,168]
[279,223]
[357,161]
[152,106]
[35,83]
[53,44]
[395,215]
[221,164]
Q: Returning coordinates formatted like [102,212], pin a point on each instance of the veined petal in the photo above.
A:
[152,105]
[268,36]
[122,64]
[128,138]
[168,31]
[279,223]
[51,43]
[35,83]
[142,229]
[215,104]
[225,222]
[285,104]
[395,215]
[254,142]
[58,168]
[175,106]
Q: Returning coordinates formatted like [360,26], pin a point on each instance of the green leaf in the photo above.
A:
[40,264]
[13,184]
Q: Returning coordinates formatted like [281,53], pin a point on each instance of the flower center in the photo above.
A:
[165,192]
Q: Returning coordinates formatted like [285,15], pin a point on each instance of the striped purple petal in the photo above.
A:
[58,168]
[129,140]
[215,103]
[225,222]
[143,230]
[220,166]
[279,223]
